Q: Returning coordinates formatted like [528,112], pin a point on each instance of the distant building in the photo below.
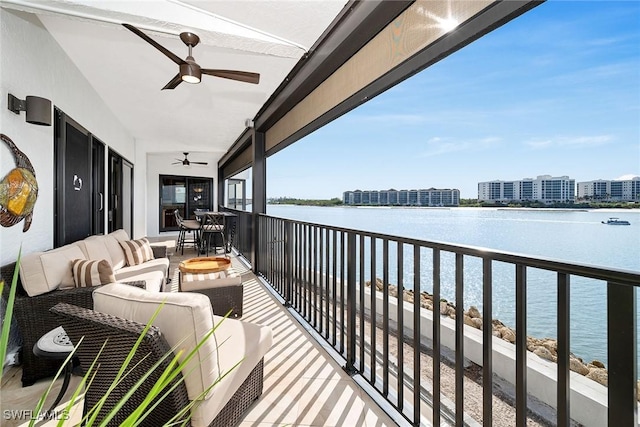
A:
[423,197]
[544,188]
[624,190]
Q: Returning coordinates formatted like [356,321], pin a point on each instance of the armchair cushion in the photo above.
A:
[237,348]
[184,321]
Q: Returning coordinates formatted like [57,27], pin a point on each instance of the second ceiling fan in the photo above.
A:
[187,162]
[190,71]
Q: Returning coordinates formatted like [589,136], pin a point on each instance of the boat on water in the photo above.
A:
[616,221]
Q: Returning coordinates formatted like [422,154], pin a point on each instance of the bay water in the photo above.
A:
[566,235]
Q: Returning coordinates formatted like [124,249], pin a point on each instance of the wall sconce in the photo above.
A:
[38,109]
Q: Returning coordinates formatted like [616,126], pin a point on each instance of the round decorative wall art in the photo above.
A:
[18,190]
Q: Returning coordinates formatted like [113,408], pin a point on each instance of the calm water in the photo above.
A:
[576,236]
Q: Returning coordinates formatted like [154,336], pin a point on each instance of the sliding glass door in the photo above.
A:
[236,189]
[120,214]
[185,194]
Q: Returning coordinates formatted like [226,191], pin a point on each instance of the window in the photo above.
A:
[185,194]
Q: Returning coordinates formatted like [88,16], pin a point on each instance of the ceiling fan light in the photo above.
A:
[190,79]
[190,73]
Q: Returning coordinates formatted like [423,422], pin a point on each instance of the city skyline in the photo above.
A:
[554,92]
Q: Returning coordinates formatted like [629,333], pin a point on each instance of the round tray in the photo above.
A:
[204,265]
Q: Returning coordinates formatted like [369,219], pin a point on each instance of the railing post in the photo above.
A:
[521,345]
[351,304]
[564,339]
[288,262]
[254,242]
[487,341]
[459,340]
[621,352]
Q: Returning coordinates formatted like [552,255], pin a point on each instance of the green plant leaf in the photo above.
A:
[8,315]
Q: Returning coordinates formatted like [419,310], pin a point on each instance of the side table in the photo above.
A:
[214,278]
[55,344]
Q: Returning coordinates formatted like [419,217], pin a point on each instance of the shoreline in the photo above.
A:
[497,208]
[545,348]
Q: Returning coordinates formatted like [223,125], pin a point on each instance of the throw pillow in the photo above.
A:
[137,251]
[88,273]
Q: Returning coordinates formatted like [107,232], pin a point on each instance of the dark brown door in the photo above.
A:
[79,166]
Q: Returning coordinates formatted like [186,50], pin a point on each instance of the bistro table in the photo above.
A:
[228,221]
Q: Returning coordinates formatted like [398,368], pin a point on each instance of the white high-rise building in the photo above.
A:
[619,190]
[544,188]
[422,197]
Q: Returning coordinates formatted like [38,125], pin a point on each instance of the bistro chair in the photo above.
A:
[187,226]
[212,225]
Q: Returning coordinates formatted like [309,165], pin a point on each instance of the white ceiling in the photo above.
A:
[267,37]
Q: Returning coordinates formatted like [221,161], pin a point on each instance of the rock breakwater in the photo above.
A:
[545,348]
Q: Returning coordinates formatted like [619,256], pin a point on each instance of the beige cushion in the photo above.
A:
[136,251]
[42,272]
[158,264]
[184,321]
[105,247]
[189,315]
[88,273]
[193,282]
[154,280]
[115,251]
[237,340]
[120,235]
[94,247]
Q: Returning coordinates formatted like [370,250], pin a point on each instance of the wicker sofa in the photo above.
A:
[233,358]
[39,289]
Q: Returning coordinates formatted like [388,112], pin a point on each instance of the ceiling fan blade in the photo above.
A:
[243,76]
[155,44]
[173,83]
[177,163]
[199,163]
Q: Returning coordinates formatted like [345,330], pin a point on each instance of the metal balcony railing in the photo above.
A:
[322,273]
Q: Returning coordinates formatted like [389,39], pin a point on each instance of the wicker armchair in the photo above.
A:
[34,320]
[120,335]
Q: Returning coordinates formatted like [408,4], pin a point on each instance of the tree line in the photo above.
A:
[470,203]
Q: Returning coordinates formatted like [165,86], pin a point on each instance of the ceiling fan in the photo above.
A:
[187,162]
[190,71]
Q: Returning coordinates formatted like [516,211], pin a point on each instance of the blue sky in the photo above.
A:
[554,92]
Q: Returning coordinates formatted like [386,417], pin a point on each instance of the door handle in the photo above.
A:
[101,202]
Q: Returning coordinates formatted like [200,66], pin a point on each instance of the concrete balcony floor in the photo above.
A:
[303,386]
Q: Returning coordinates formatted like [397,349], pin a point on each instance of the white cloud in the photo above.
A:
[391,118]
[626,177]
[437,145]
[570,141]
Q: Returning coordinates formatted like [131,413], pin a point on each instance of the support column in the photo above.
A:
[259,192]
[219,200]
